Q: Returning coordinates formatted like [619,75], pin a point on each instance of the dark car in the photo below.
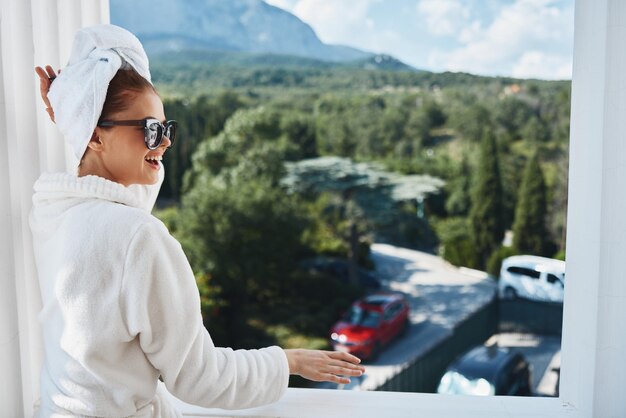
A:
[487,370]
[340,269]
[370,324]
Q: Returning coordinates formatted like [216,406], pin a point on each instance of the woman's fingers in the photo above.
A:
[51,73]
[344,371]
[44,84]
[340,355]
[336,379]
[330,366]
[338,367]
[350,366]
[40,72]
[45,80]
[346,363]
[44,87]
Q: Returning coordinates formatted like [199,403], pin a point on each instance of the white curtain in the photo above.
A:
[32,32]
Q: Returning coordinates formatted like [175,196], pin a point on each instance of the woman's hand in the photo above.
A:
[46,77]
[323,366]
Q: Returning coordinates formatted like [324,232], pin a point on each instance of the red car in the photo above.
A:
[370,324]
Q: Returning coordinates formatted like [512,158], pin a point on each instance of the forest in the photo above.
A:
[280,161]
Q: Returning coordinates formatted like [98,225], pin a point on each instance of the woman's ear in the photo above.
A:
[95,143]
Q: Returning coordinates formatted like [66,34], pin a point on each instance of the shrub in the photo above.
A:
[560,255]
[495,260]
[456,243]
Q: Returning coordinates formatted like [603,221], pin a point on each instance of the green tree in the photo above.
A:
[340,176]
[459,199]
[535,130]
[366,191]
[512,165]
[457,246]
[512,114]
[241,228]
[198,119]
[472,122]
[299,132]
[434,113]
[529,229]
[486,215]
[245,235]
[557,213]
[244,132]
[416,133]
[495,260]
[391,130]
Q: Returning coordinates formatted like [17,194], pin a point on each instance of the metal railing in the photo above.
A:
[527,316]
[423,374]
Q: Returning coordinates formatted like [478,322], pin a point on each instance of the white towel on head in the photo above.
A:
[77,95]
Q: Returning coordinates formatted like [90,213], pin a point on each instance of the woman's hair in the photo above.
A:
[124,85]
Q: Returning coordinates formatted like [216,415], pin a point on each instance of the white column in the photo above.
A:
[609,396]
[596,248]
[35,32]
[584,197]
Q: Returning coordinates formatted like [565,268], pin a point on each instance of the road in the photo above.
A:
[440,296]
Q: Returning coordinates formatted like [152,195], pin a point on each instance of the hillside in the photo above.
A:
[215,25]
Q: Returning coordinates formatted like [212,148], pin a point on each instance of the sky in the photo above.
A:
[517,38]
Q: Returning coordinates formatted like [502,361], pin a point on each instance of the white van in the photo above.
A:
[532,277]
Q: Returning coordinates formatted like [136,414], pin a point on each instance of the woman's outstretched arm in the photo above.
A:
[161,307]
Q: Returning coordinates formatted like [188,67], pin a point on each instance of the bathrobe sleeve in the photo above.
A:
[161,305]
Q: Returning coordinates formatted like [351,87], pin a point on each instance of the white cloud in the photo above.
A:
[335,21]
[283,4]
[443,17]
[503,46]
[537,64]
[471,33]
[521,38]
[348,22]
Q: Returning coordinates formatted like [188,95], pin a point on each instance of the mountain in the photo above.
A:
[250,26]
[230,59]
[382,62]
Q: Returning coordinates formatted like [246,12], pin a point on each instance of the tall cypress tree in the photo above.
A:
[460,201]
[486,215]
[529,228]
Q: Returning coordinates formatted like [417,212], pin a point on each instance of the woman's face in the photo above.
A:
[123,150]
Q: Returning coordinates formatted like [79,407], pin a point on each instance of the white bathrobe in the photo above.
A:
[121,307]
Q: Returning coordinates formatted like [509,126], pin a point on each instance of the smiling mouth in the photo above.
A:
[153,163]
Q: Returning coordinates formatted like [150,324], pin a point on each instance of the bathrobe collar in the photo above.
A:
[51,187]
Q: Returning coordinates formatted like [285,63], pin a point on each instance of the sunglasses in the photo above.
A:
[152,128]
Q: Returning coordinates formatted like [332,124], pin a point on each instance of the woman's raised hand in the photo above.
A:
[323,366]
[46,77]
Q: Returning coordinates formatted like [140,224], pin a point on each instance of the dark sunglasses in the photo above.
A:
[152,128]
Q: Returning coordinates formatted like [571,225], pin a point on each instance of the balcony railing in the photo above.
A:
[315,403]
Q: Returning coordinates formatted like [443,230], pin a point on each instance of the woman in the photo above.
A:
[120,305]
